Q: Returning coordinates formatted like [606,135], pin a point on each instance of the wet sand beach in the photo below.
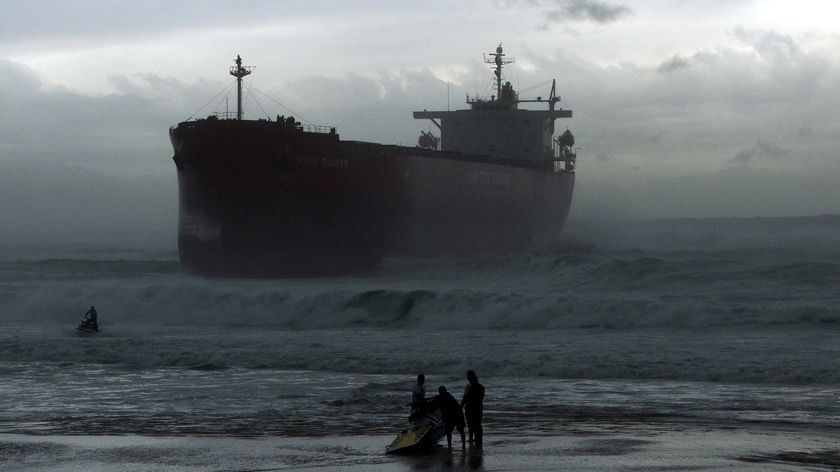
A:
[605,447]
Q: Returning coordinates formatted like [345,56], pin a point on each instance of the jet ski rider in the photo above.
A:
[90,320]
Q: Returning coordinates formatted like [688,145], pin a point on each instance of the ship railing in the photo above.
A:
[224,115]
[564,160]
[318,129]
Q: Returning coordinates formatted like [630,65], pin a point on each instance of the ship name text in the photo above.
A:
[493,179]
[321,161]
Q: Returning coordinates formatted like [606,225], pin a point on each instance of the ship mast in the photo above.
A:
[499,61]
[238,71]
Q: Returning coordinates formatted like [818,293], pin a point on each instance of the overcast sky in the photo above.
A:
[681,108]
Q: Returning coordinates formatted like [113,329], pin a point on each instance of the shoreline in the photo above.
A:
[605,447]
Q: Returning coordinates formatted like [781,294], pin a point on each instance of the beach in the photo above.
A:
[606,447]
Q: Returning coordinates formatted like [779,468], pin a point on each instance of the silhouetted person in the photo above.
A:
[473,404]
[90,320]
[418,397]
[453,415]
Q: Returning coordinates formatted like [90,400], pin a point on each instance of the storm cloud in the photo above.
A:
[591,10]
[733,128]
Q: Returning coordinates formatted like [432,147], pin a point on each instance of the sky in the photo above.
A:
[682,109]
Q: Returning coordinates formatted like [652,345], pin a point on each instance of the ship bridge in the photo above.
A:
[510,134]
[496,127]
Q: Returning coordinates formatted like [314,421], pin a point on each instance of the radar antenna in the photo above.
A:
[238,71]
[498,59]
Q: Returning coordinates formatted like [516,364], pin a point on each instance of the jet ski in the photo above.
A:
[425,431]
[86,328]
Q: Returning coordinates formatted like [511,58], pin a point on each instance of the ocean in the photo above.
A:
[624,342]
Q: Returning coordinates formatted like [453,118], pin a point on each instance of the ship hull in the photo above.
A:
[467,207]
[257,199]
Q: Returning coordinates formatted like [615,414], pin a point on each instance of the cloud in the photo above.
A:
[76,163]
[57,198]
[741,191]
[678,130]
[603,156]
[745,156]
[769,43]
[17,81]
[97,20]
[567,11]
[760,149]
[674,63]
[590,10]
[649,132]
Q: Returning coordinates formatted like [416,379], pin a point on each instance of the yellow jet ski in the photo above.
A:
[425,432]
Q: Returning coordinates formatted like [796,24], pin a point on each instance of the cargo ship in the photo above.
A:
[275,198]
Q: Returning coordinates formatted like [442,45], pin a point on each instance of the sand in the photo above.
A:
[610,447]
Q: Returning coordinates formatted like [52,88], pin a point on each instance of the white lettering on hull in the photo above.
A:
[322,161]
[491,179]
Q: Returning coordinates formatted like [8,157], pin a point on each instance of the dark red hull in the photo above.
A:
[257,199]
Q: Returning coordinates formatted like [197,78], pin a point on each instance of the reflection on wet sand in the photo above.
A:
[442,458]
[608,449]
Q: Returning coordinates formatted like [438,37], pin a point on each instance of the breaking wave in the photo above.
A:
[756,314]
[547,290]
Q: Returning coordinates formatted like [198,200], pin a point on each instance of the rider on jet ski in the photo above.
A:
[90,320]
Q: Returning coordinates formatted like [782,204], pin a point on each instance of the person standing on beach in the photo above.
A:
[453,415]
[418,397]
[473,404]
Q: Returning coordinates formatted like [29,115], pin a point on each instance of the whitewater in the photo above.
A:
[718,323]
